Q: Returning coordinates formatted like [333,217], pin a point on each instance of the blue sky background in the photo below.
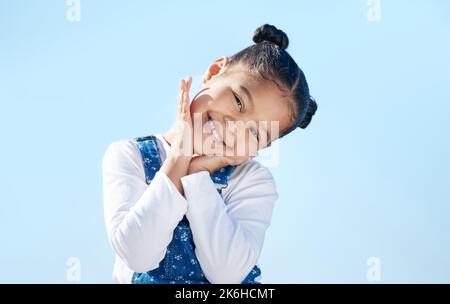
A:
[368,178]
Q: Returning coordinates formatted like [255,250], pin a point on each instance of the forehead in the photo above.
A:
[270,102]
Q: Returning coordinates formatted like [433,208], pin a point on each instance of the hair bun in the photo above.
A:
[271,34]
[312,108]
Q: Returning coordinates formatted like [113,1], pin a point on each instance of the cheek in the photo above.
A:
[222,99]
[245,144]
[196,106]
[202,103]
[215,100]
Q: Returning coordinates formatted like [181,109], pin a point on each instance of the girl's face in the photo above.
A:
[235,114]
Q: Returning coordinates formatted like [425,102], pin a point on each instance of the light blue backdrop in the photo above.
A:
[368,178]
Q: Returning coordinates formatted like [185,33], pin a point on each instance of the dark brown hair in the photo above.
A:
[268,59]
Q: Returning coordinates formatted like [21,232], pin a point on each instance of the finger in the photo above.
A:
[236,161]
[180,93]
[185,84]
[184,102]
[212,163]
[189,83]
[230,161]
[182,88]
[180,97]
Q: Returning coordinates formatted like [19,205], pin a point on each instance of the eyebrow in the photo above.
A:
[250,98]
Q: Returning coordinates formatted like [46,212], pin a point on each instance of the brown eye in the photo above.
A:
[238,101]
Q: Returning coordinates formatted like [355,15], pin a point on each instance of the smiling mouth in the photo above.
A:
[214,132]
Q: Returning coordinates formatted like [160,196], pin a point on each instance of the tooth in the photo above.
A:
[214,131]
[216,135]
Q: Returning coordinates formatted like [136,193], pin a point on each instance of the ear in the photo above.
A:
[215,69]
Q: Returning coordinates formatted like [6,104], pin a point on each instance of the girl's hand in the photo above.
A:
[212,163]
[182,143]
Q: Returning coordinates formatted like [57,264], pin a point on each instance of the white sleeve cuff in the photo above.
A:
[198,189]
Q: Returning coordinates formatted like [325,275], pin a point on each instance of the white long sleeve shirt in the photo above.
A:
[228,230]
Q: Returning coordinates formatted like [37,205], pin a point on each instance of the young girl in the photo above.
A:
[176,212]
